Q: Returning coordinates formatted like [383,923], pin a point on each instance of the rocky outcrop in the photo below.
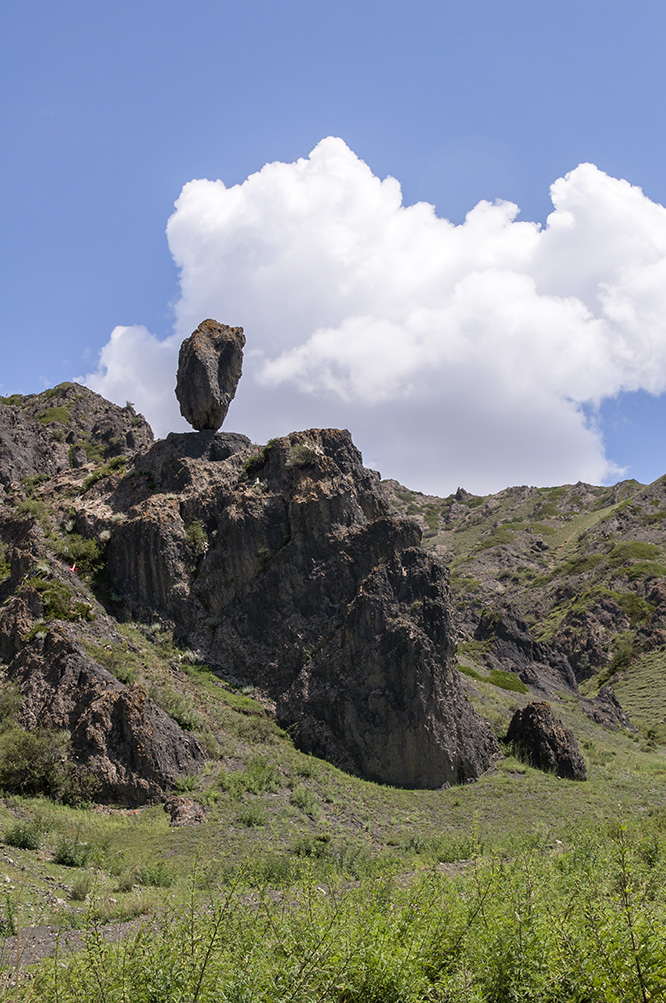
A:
[513,649]
[538,736]
[132,747]
[209,368]
[282,567]
[67,426]
[605,709]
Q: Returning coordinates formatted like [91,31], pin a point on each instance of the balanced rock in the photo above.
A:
[210,364]
[544,741]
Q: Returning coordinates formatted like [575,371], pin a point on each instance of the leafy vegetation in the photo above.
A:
[301,455]
[51,414]
[497,677]
[579,920]
[59,600]
[256,462]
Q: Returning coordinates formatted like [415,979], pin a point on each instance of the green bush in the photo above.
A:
[258,460]
[60,414]
[10,703]
[252,816]
[628,550]
[301,455]
[59,600]
[71,852]
[25,834]
[303,798]
[5,567]
[81,887]
[196,534]
[155,874]
[34,762]
[86,553]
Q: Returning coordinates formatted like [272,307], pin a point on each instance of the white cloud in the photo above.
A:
[455,354]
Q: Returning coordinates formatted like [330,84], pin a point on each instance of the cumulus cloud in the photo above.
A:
[470,354]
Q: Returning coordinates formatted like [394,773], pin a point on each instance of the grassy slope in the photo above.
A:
[281,819]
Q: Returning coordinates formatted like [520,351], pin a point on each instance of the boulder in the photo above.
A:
[209,367]
[537,735]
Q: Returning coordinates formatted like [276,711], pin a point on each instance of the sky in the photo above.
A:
[441,224]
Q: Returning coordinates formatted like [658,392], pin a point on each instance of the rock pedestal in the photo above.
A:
[210,364]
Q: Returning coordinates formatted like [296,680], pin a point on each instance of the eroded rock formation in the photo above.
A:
[282,567]
[67,426]
[209,368]
[132,747]
[545,742]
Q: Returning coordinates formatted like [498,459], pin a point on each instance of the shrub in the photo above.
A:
[60,414]
[253,815]
[196,534]
[8,924]
[178,707]
[71,852]
[261,775]
[301,455]
[87,554]
[304,799]
[59,600]
[34,762]
[5,567]
[10,703]
[258,460]
[155,874]
[81,888]
[25,834]
[628,550]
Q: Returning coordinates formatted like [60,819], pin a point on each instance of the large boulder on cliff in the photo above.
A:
[537,735]
[282,567]
[210,364]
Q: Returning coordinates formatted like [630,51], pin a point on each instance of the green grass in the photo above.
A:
[53,414]
[579,919]
[497,677]
[642,692]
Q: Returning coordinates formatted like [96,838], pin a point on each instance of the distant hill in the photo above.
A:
[563,586]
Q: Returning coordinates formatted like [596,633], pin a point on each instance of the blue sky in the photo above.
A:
[111,108]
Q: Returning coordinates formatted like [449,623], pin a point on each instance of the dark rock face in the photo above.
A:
[605,709]
[537,734]
[209,368]
[515,650]
[282,568]
[134,749]
[26,448]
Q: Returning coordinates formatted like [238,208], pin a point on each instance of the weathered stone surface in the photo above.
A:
[515,650]
[605,709]
[545,742]
[184,811]
[42,434]
[209,368]
[26,448]
[133,748]
[299,582]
